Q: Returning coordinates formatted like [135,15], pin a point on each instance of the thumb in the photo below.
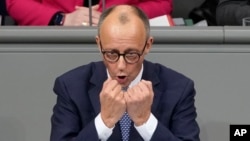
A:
[95,7]
[148,84]
[79,7]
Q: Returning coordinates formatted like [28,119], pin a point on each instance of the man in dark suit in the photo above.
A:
[93,100]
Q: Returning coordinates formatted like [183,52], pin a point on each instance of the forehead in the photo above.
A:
[131,34]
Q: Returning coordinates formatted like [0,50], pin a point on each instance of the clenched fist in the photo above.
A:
[139,100]
[113,104]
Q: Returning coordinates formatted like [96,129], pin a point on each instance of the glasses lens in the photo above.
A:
[132,57]
[111,56]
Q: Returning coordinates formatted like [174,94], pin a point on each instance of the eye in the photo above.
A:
[111,55]
[131,55]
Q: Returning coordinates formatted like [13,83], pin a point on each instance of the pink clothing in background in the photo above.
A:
[40,12]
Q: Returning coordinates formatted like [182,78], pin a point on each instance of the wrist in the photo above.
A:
[143,120]
[108,122]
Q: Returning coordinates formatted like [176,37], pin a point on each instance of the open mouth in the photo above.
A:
[122,79]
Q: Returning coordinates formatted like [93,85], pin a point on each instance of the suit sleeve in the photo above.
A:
[231,12]
[66,122]
[183,125]
[30,12]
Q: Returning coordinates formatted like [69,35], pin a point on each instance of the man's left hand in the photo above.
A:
[139,99]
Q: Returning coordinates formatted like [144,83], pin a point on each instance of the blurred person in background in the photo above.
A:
[231,12]
[76,12]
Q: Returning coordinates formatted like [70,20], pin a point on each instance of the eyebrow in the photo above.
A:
[131,50]
[126,51]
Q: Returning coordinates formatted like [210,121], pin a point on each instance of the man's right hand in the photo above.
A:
[80,17]
[113,104]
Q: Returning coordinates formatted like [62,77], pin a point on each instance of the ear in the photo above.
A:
[149,44]
[97,39]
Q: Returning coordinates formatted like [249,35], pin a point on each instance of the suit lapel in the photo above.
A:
[97,79]
[150,73]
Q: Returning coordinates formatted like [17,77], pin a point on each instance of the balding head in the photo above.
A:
[125,15]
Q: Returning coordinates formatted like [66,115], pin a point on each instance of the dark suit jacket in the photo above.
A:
[78,104]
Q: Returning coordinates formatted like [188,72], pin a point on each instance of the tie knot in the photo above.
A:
[124,88]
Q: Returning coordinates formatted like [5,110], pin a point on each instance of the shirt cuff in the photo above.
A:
[102,130]
[147,129]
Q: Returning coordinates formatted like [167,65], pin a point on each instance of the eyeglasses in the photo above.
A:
[130,57]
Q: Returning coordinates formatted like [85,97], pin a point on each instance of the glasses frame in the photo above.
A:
[122,54]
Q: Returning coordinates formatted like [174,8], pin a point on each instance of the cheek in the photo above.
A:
[133,70]
[111,68]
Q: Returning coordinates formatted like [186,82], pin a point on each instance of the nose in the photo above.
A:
[121,64]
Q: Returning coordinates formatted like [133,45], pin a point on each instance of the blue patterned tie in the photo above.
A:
[125,123]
